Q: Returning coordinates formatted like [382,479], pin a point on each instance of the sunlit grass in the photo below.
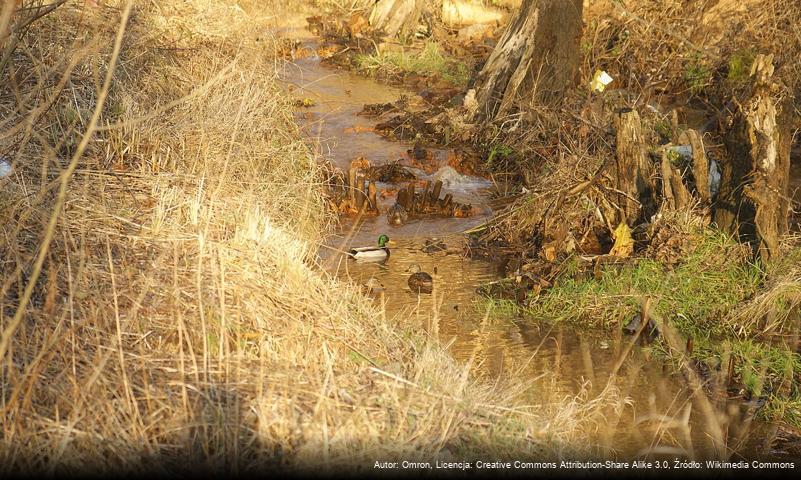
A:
[181,316]
[429,61]
[703,289]
[703,297]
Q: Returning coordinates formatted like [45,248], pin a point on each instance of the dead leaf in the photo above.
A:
[624,244]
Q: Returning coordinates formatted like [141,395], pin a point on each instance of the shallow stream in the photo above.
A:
[504,343]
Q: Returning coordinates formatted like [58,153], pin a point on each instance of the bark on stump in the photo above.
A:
[753,197]
[372,197]
[674,194]
[536,59]
[634,172]
[352,175]
[396,17]
[700,166]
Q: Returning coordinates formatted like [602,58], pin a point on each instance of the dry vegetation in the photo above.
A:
[160,300]
[691,59]
[679,64]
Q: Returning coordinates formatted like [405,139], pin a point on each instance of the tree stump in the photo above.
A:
[634,172]
[360,196]
[536,59]
[700,167]
[436,192]
[424,199]
[396,17]
[411,202]
[352,175]
[428,202]
[372,194]
[674,193]
[753,198]
[402,199]
[447,203]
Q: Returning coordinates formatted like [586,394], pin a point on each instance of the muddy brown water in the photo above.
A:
[567,360]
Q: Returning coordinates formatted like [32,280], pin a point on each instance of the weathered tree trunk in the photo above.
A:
[447,203]
[753,198]
[360,196]
[396,17]
[425,197]
[674,194]
[352,177]
[634,171]
[536,59]
[455,13]
[372,193]
[700,167]
[436,192]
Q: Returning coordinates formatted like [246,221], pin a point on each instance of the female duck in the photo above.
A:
[397,215]
[372,254]
[420,281]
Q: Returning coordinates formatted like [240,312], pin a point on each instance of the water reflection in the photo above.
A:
[656,414]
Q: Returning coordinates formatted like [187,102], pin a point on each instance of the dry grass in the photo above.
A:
[662,57]
[776,308]
[676,46]
[171,314]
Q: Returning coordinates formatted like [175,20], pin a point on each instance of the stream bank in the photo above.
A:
[498,340]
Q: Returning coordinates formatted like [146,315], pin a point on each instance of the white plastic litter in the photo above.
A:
[5,170]
[600,80]
[684,151]
[453,180]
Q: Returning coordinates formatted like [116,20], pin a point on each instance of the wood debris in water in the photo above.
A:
[428,202]
[354,193]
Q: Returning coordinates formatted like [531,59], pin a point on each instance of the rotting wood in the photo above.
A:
[753,198]
[410,202]
[681,196]
[372,192]
[700,167]
[634,172]
[359,193]
[447,201]
[396,17]
[436,191]
[356,194]
[424,198]
[675,194]
[352,174]
[402,199]
[536,59]
[668,200]
[428,202]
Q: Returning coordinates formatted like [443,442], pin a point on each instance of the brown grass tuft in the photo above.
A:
[178,318]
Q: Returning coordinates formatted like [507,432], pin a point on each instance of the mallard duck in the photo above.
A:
[372,254]
[372,286]
[420,281]
[397,215]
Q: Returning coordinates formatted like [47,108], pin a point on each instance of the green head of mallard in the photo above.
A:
[383,240]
